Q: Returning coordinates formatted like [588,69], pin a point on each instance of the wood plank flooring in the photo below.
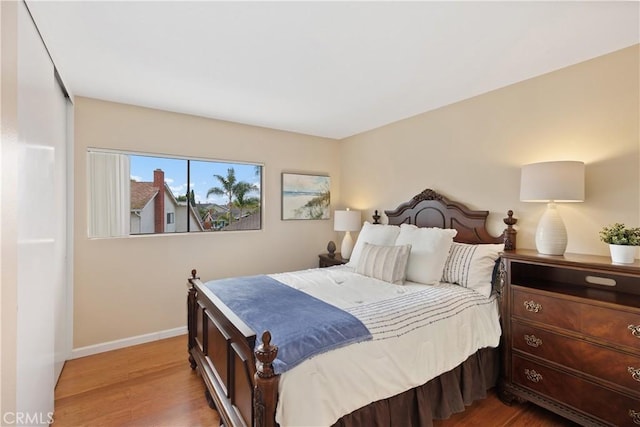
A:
[152,385]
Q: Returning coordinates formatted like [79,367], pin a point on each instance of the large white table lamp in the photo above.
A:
[346,221]
[552,182]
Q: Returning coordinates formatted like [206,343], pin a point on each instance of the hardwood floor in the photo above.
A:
[144,385]
[152,385]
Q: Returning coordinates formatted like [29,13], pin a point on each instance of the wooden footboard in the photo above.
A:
[240,381]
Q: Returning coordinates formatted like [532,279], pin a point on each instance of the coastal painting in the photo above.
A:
[305,196]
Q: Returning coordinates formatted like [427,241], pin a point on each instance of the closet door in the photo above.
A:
[62,307]
[41,230]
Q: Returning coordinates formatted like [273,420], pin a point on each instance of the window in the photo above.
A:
[146,194]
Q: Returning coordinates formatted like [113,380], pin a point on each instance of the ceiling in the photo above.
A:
[331,69]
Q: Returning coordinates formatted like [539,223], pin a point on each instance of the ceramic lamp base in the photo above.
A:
[347,246]
[551,234]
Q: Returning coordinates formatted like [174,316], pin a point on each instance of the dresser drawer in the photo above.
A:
[614,366]
[547,381]
[547,345]
[614,326]
[545,309]
[613,408]
[619,368]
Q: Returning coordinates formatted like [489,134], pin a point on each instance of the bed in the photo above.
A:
[379,379]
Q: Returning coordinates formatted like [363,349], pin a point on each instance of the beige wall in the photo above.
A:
[472,151]
[126,287]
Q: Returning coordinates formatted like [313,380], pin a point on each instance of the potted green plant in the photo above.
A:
[623,242]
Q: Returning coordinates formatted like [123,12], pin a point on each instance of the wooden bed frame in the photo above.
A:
[241,384]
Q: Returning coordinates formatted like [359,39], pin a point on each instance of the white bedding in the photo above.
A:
[414,340]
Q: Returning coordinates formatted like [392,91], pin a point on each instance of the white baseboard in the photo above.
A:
[126,342]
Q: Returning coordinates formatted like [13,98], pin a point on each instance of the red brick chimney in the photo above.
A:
[158,182]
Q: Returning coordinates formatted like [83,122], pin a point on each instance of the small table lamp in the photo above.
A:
[346,221]
[552,182]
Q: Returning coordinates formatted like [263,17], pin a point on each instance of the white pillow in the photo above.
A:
[471,266]
[388,263]
[429,251]
[376,234]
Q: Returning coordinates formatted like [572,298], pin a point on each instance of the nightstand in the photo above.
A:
[327,261]
[571,336]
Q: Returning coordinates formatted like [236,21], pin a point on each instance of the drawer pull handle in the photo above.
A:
[533,341]
[635,373]
[533,376]
[635,416]
[635,330]
[534,307]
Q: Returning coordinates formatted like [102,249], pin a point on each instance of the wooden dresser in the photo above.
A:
[571,336]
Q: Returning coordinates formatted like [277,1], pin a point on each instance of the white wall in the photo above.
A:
[147,219]
[169,207]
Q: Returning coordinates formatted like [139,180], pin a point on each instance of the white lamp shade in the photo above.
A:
[552,182]
[346,220]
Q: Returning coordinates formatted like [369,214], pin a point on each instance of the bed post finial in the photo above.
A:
[266,354]
[376,217]
[510,232]
[265,394]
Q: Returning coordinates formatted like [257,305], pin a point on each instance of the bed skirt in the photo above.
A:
[438,399]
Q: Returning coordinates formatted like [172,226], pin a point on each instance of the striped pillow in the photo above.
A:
[471,266]
[387,263]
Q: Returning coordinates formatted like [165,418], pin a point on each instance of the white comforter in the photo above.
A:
[419,332]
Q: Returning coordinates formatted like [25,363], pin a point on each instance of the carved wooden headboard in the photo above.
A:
[430,209]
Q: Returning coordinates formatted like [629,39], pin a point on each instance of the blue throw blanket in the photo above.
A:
[301,325]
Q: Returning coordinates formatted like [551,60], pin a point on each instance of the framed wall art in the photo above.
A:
[305,196]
